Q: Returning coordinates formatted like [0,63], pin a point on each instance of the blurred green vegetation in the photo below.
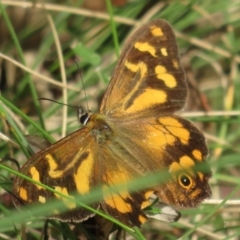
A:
[208,37]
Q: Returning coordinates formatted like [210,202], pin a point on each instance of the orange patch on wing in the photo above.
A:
[201,176]
[115,198]
[186,162]
[145,47]
[42,199]
[70,204]
[196,193]
[142,219]
[175,64]
[176,129]
[83,176]
[157,136]
[185,165]
[35,176]
[197,155]
[136,67]
[164,52]
[165,76]
[175,167]
[156,31]
[147,99]
[146,203]
[23,193]
[52,167]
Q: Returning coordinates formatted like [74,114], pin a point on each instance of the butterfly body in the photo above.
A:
[135,134]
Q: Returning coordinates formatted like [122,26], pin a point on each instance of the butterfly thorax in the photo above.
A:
[99,128]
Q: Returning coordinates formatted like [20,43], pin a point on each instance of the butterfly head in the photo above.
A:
[83,116]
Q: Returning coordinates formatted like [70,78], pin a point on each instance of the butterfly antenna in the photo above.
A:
[82,85]
[51,100]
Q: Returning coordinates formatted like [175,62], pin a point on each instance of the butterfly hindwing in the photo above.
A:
[174,147]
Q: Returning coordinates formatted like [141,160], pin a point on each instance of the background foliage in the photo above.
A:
[39,43]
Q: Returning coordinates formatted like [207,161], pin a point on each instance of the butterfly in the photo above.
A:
[135,134]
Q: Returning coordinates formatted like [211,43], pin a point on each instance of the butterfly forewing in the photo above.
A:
[67,166]
[136,134]
[148,79]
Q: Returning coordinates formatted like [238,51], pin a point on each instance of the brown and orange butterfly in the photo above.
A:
[135,134]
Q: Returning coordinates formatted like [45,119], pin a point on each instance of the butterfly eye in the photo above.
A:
[185,181]
[84,119]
